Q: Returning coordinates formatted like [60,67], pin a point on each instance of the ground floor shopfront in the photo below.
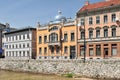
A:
[99,50]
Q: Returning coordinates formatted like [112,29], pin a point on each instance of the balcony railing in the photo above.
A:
[100,39]
[51,43]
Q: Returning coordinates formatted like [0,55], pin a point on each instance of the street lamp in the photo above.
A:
[80,27]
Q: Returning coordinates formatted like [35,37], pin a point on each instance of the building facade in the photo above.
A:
[20,44]
[97,23]
[57,39]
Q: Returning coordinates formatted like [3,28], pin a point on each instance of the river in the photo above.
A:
[9,75]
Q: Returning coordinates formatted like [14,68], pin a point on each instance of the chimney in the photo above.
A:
[87,2]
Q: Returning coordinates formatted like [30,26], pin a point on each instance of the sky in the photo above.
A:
[23,13]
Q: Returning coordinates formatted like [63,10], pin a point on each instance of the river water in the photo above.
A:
[9,75]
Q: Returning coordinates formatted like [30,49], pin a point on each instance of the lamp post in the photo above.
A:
[80,27]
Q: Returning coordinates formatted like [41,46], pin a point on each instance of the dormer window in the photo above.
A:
[53,28]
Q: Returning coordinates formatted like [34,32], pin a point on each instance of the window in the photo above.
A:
[105,32]
[97,33]
[53,28]
[23,36]
[90,21]
[24,53]
[98,20]
[72,37]
[65,49]
[65,37]
[98,50]
[16,38]
[52,50]
[23,45]
[19,37]
[82,34]
[57,49]
[113,32]
[113,17]
[45,39]
[20,53]
[90,34]
[28,53]
[82,22]
[45,50]
[13,46]
[81,50]
[105,19]
[114,51]
[53,37]
[91,51]
[28,45]
[19,45]
[40,39]
[40,50]
[27,36]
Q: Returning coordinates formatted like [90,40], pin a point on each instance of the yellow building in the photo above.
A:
[57,39]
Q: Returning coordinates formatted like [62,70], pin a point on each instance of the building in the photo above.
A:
[97,22]
[57,39]
[20,44]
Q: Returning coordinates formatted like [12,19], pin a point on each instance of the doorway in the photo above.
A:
[72,52]
[105,52]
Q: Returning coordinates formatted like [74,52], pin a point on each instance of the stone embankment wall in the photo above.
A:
[92,68]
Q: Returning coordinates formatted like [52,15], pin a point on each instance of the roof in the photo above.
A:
[100,5]
[20,30]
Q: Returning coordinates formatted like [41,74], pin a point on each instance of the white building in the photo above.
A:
[20,44]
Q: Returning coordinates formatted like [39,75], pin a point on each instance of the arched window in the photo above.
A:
[53,37]
[98,32]
[105,31]
[90,32]
[53,28]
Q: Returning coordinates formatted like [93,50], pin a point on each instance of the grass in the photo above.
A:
[70,75]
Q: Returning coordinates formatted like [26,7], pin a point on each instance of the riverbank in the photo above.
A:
[103,69]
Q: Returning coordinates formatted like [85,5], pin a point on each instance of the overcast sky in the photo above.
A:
[22,13]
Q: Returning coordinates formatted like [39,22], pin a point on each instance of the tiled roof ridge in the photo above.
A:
[99,5]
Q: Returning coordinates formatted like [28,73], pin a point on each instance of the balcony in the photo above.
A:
[117,38]
[54,43]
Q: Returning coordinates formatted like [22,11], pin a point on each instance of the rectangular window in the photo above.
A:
[57,49]
[52,50]
[28,36]
[65,37]
[98,20]
[113,17]
[40,50]
[82,22]
[65,49]
[114,51]
[98,50]
[82,51]
[19,37]
[72,37]
[45,50]
[82,34]
[23,36]
[45,39]
[91,51]
[40,39]
[97,33]
[90,21]
[105,18]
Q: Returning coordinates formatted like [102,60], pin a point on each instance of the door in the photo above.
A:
[72,52]
[105,52]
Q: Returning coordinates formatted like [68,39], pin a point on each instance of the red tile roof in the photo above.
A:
[99,5]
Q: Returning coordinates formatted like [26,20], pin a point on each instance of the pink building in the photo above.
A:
[102,34]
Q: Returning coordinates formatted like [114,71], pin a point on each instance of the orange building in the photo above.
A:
[102,34]
[57,39]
